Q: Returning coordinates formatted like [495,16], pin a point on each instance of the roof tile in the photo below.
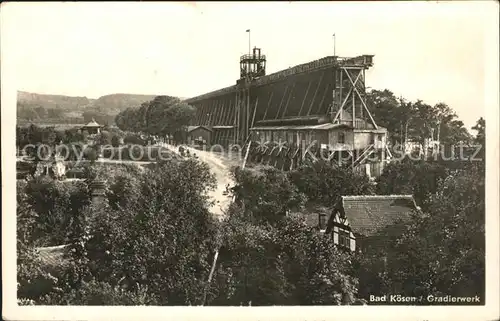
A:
[369,214]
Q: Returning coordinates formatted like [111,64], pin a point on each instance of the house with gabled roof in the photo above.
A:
[357,221]
[199,134]
[92,127]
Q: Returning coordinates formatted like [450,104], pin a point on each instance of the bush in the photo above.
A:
[325,183]
[115,141]
[91,153]
[266,192]
[100,293]
[53,202]
[104,138]
[134,140]
[32,280]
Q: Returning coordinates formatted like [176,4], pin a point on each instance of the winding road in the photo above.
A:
[220,166]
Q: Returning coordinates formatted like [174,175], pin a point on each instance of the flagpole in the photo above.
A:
[249,46]
[334,45]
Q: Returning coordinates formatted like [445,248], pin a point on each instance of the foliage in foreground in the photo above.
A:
[442,251]
[286,263]
[154,241]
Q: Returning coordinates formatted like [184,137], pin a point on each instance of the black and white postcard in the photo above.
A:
[250,161]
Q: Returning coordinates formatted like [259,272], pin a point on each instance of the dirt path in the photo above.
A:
[220,166]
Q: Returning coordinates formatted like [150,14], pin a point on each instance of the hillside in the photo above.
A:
[53,101]
[114,103]
[108,104]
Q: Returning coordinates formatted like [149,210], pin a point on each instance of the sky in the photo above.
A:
[432,51]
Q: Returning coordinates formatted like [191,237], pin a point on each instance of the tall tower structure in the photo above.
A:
[349,93]
[252,66]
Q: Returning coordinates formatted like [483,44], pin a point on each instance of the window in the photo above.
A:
[341,138]
[372,140]
[344,238]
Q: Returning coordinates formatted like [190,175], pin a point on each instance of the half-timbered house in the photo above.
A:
[358,221]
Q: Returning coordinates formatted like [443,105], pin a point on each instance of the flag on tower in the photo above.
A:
[248,30]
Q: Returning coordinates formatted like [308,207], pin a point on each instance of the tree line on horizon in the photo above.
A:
[416,121]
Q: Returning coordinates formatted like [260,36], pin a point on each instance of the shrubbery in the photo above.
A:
[154,240]
[52,203]
[137,153]
[115,141]
[134,140]
[99,293]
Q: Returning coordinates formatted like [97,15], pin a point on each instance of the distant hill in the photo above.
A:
[109,104]
[115,103]
[53,101]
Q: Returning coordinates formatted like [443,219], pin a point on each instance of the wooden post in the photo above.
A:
[254,110]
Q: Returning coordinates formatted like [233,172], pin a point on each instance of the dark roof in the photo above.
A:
[310,213]
[191,128]
[369,214]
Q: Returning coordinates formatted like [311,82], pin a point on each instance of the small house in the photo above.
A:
[199,135]
[359,220]
[92,127]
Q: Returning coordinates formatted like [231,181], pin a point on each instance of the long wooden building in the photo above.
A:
[320,103]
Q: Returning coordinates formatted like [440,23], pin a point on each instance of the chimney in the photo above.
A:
[98,192]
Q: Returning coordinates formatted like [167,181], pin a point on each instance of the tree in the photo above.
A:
[53,201]
[32,280]
[268,258]
[387,112]
[325,183]
[163,115]
[418,178]
[162,238]
[42,112]
[442,251]
[284,263]
[115,141]
[178,117]
[480,128]
[417,121]
[73,136]
[266,193]
[104,138]
[91,153]
[55,113]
